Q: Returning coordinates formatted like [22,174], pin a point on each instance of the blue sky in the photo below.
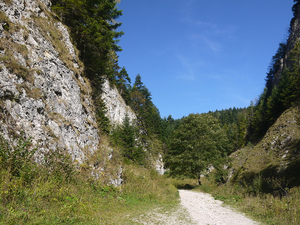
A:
[197,56]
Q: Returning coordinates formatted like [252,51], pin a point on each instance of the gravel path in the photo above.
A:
[194,208]
[204,209]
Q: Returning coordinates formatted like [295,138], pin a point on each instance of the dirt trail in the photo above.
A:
[195,208]
[204,209]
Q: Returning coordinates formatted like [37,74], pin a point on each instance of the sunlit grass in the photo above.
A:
[56,193]
[263,207]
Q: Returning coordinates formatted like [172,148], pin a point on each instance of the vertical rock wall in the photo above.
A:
[294,37]
[116,106]
[42,92]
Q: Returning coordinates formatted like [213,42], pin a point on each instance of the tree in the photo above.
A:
[123,85]
[126,136]
[147,114]
[93,29]
[198,143]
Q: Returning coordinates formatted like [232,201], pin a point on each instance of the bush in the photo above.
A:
[18,158]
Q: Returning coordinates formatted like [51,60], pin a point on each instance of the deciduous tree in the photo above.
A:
[198,143]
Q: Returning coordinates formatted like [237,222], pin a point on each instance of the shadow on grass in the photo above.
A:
[185,186]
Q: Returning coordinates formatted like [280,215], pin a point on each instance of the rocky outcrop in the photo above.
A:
[276,155]
[116,106]
[294,37]
[42,92]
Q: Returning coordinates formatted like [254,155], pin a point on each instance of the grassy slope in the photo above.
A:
[265,178]
[276,155]
[48,200]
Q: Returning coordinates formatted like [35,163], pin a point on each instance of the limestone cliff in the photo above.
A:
[294,37]
[42,91]
[116,106]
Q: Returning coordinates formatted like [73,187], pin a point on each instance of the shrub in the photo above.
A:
[18,158]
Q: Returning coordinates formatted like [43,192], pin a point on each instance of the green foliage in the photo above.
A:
[198,143]
[148,115]
[18,158]
[123,85]
[58,194]
[278,95]
[93,29]
[127,137]
[100,108]
[59,165]
[235,122]
[168,125]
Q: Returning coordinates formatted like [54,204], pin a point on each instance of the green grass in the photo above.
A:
[48,201]
[266,180]
[56,193]
[267,208]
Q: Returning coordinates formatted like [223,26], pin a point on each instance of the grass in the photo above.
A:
[263,207]
[80,201]
[54,192]
[265,182]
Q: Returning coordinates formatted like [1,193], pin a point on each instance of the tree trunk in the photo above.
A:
[199,177]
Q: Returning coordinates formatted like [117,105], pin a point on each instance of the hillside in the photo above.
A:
[277,155]
[274,123]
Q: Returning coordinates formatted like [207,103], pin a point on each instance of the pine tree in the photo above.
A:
[123,85]
[93,29]
[127,136]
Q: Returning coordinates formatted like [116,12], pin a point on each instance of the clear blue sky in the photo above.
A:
[197,56]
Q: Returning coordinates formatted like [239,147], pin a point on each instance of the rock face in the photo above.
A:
[159,165]
[116,106]
[41,90]
[294,37]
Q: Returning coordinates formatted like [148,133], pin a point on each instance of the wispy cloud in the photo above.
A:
[209,34]
[213,45]
[215,77]
[210,27]
[190,68]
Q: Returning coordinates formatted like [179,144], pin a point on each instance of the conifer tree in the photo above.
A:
[93,29]
[123,85]
[127,136]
